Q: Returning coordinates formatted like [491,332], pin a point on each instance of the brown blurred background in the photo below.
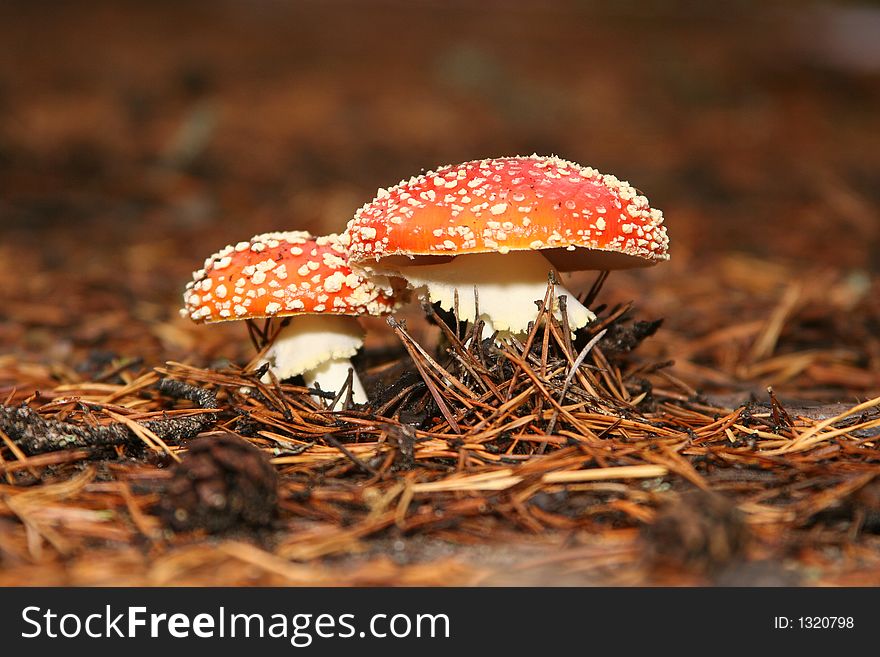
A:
[138,138]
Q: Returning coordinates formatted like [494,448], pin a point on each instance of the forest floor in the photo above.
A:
[737,441]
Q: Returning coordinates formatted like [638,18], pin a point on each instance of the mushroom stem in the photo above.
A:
[504,286]
[318,347]
[332,376]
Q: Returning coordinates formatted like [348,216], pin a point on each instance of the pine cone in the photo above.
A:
[700,532]
[221,482]
[866,502]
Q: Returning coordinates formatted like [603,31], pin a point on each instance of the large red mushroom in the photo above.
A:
[489,232]
[293,274]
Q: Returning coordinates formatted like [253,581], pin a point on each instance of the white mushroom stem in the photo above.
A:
[319,348]
[507,286]
[332,377]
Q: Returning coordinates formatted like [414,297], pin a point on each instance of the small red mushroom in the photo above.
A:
[293,274]
[495,228]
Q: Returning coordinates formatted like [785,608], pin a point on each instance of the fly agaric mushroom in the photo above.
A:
[490,232]
[291,274]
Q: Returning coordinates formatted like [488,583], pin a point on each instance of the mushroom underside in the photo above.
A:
[500,289]
[562,259]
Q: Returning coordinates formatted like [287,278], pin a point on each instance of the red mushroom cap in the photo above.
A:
[510,204]
[281,274]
